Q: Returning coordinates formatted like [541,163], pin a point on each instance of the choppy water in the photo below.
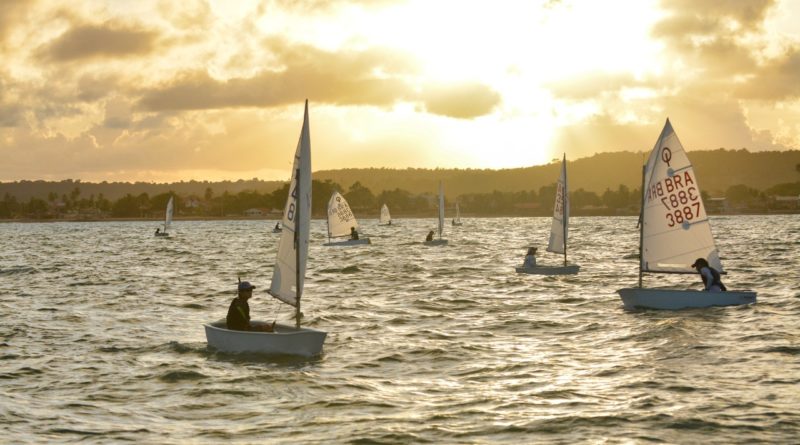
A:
[101,338]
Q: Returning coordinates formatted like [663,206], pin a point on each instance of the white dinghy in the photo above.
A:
[386,218]
[341,223]
[167,219]
[288,274]
[674,231]
[558,232]
[439,241]
[457,219]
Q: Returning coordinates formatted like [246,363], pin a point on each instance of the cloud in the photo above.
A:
[100,41]
[775,80]
[463,101]
[12,13]
[376,77]
[588,86]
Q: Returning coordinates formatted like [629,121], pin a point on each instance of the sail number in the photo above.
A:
[680,198]
[559,207]
[290,211]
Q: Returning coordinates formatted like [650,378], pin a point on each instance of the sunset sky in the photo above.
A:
[163,90]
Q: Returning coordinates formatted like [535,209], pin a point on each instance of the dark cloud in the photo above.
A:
[776,80]
[463,101]
[100,41]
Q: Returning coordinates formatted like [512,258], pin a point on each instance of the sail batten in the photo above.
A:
[340,218]
[676,229]
[290,265]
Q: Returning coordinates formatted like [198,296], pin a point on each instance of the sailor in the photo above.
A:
[530,258]
[353,233]
[712,281]
[238,318]
[158,230]
[277,226]
[430,236]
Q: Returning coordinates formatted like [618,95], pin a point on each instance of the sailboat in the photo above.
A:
[167,219]
[457,219]
[439,241]
[558,231]
[288,275]
[342,222]
[386,218]
[674,231]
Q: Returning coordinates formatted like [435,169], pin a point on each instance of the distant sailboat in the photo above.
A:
[457,219]
[386,218]
[167,219]
[439,241]
[675,231]
[288,275]
[558,231]
[342,223]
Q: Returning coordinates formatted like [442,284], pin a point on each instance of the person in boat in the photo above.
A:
[530,258]
[389,223]
[158,230]
[712,280]
[353,233]
[238,318]
[430,236]
[277,226]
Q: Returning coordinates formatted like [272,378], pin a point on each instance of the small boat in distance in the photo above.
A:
[277,228]
[288,275]
[439,241]
[457,219]
[167,219]
[342,223]
[386,218]
[674,232]
[558,231]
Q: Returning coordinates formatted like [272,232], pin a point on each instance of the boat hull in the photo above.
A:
[436,242]
[350,242]
[672,299]
[164,234]
[285,340]
[570,269]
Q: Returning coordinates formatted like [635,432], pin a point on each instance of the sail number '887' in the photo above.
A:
[679,196]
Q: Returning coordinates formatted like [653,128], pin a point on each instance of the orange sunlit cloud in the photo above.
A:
[210,89]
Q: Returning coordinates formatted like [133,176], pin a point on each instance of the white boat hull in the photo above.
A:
[350,242]
[285,340]
[570,269]
[436,242]
[640,298]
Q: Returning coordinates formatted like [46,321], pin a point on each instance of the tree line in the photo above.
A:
[366,203]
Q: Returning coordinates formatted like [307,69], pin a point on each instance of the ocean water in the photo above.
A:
[101,339]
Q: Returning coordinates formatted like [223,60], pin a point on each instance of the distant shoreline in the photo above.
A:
[409,216]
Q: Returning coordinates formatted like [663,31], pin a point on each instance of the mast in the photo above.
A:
[298,287]
[641,226]
[565,207]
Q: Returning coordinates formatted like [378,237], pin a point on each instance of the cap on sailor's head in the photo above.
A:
[245,285]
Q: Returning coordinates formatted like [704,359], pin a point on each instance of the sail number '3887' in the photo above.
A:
[679,196]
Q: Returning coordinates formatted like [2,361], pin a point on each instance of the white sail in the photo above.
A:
[168,216]
[290,263]
[458,214]
[340,217]
[441,209]
[385,216]
[558,231]
[676,230]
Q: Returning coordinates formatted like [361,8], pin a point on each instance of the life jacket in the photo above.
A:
[717,279]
